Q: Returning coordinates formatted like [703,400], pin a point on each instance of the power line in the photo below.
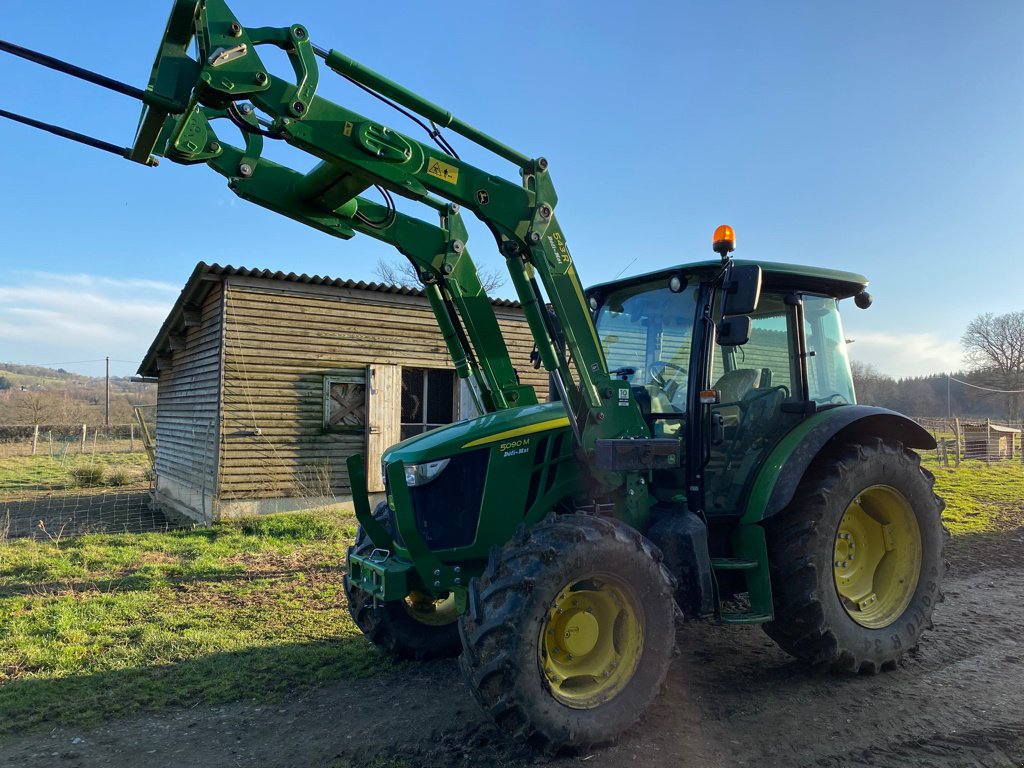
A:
[988,389]
[75,362]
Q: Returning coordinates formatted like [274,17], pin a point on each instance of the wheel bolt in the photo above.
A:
[839,563]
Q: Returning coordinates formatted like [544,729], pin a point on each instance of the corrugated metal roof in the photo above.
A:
[291,277]
[205,275]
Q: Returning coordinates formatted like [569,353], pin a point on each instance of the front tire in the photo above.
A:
[570,631]
[418,628]
[856,559]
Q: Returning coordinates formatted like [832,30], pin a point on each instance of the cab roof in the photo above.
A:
[830,282]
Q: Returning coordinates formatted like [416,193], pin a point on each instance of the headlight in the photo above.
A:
[421,474]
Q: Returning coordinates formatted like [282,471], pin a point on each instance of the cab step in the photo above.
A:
[751,560]
[745,618]
[733,564]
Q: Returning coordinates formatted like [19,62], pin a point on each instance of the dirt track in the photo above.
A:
[733,699]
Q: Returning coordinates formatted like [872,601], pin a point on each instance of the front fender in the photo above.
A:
[782,471]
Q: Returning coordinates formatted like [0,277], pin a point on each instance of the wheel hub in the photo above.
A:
[435,612]
[877,556]
[590,642]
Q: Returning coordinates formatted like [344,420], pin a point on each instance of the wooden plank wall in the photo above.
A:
[281,340]
[187,398]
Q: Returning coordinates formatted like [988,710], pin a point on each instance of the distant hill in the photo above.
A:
[31,394]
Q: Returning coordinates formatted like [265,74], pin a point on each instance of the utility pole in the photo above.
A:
[106,409]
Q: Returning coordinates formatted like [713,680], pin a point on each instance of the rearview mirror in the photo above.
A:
[734,331]
[742,290]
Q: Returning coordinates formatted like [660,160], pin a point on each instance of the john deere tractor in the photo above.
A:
[703,456]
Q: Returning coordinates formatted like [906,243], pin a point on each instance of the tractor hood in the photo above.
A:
[483,431]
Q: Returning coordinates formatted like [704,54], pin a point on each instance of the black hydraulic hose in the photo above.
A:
[81,138]
[70,69]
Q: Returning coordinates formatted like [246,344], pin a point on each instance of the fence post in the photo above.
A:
[131,438]
[35,440]
[85,430]
[956,436]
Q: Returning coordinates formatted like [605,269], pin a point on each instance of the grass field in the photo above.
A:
[104,625]
[981,498]
[99,626]
[41,473]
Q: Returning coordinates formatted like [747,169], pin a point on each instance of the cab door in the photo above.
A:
[754,381]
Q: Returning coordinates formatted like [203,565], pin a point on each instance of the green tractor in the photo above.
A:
[768,496]
[703,455]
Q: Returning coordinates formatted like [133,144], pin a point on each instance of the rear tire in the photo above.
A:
[856,559]
[417,628]
[570,631]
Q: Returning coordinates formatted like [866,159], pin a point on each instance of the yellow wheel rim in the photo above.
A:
[877,556]
[591,642]
[435,612]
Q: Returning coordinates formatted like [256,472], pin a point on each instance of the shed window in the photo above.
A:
[345,401]
[428,399]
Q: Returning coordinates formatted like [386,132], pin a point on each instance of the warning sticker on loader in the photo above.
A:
[443,171]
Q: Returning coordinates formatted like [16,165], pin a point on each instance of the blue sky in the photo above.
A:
[882,138]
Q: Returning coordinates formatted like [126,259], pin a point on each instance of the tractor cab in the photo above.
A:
[728,378]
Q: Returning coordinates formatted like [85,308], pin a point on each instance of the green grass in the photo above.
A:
[981,497]
[41,472]
[99,626]
[105,625]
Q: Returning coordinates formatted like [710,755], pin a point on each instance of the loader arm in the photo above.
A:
[438,252]
[227,76]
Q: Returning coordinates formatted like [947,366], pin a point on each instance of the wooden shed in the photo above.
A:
[268,382]
[989,441]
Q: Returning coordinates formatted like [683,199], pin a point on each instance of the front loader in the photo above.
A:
[704,456]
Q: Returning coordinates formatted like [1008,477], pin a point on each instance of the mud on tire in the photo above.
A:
[812,561]
[529,684]
[403,629]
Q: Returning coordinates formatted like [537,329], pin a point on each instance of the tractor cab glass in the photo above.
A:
[754,381]
[829,381]
[646,332]
[761,391]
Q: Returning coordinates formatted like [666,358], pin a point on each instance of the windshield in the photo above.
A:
[646,332]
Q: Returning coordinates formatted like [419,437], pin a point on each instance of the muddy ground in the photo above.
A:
[733,699]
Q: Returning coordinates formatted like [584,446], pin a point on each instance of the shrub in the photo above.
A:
[119,476]
[88,475]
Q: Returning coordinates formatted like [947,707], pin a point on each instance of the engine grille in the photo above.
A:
[447,509]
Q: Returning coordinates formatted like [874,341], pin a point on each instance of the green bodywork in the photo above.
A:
[522,460]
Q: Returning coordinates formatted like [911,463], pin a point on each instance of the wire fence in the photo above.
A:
[959,440]
[64,480]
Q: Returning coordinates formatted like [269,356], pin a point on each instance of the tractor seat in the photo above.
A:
[734,385]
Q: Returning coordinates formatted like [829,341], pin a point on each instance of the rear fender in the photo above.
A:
[781,473]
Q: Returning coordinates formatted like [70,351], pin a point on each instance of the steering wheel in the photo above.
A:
[658,369]
[834,399]
[669,386]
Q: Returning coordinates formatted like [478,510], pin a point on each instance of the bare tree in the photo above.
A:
[36,407]
[403,273]
[994,346]
[872,386]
